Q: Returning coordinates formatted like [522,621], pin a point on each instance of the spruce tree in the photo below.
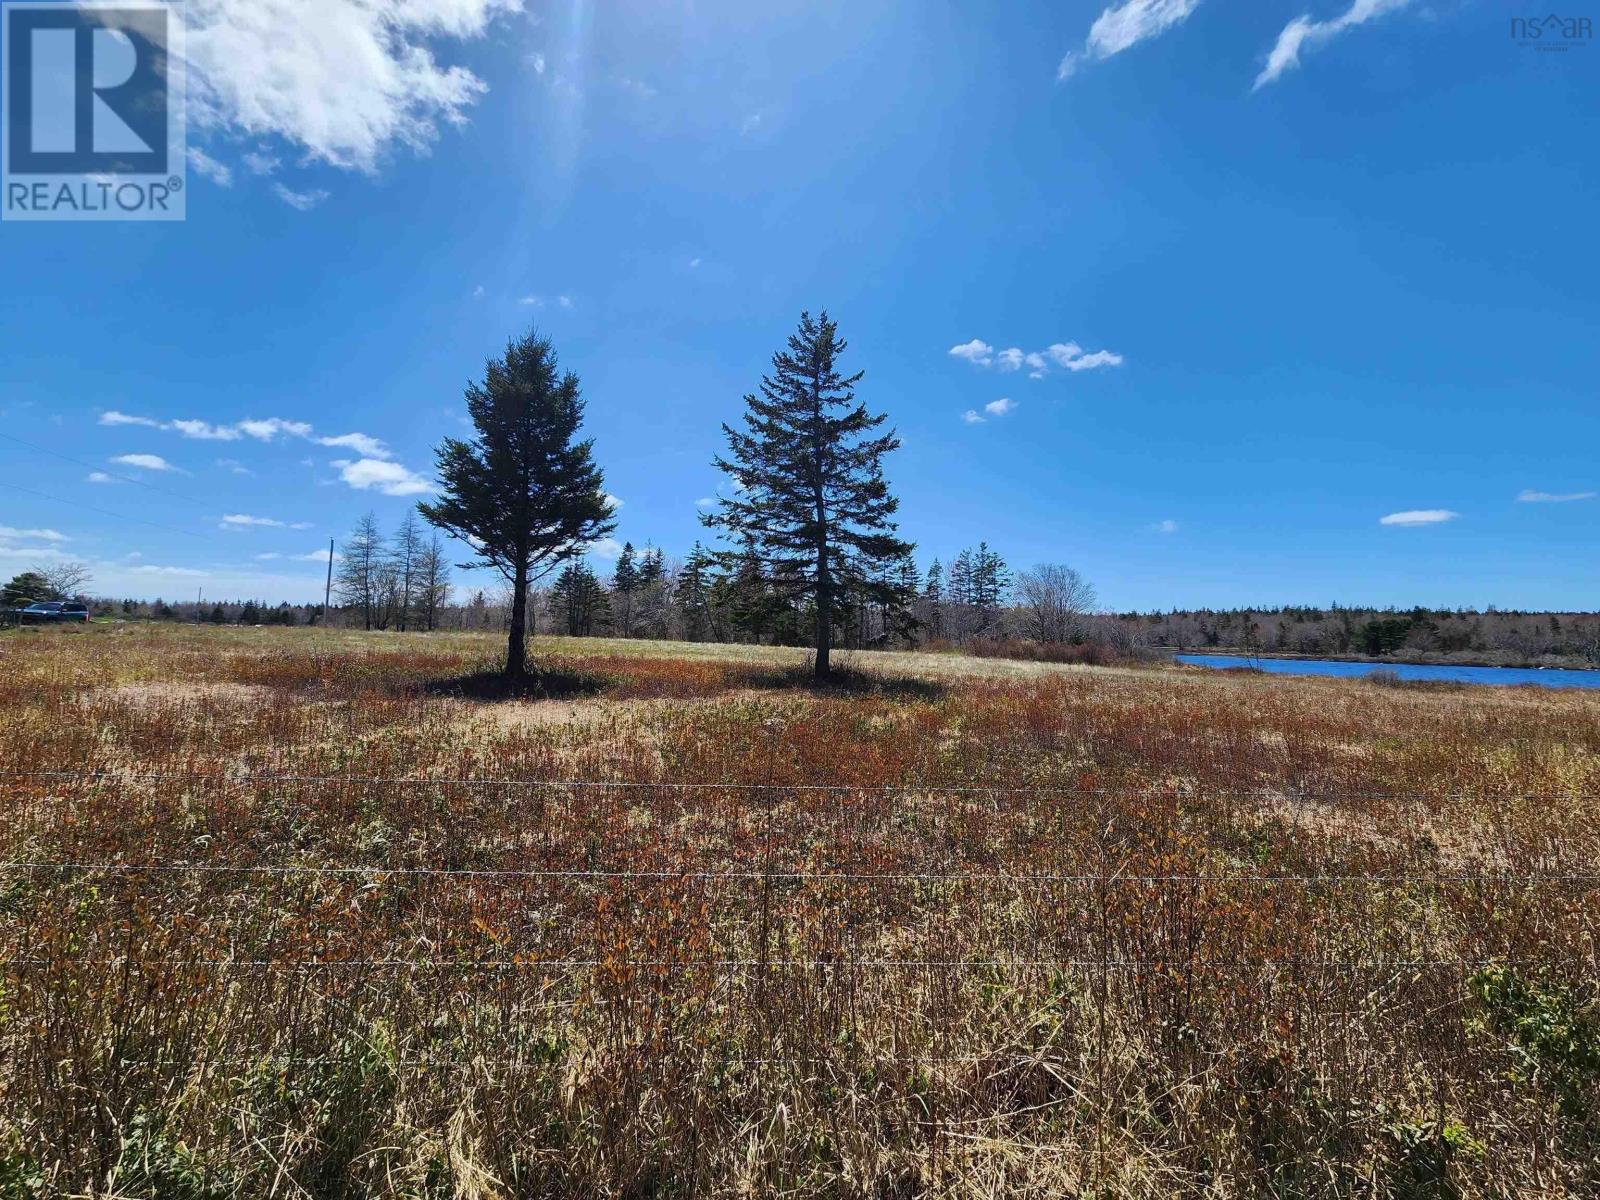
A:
[522,493]
[812,503]
[624,583]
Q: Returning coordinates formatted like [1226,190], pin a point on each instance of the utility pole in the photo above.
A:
[327,588]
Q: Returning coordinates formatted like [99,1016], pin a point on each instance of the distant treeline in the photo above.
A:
[1421,634]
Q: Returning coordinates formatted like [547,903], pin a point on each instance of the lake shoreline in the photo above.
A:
[1554,663]
[1401,673]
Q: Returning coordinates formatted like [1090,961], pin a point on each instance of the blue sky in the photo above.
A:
[1282,270]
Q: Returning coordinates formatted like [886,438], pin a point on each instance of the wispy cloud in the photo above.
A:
[100,477]
[1066,356]
[144,462]
[1167,526]
[1419,516]
[1000,407]
[1126,25]
[972,417]
[1303,33]
[301,201]
[258,162]
[1529,496]
[260,429]
[203,164]
[113,417]
[361,443]
[33,535]
[245,521]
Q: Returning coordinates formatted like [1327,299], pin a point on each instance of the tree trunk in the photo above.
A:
[824,614]
[517,652]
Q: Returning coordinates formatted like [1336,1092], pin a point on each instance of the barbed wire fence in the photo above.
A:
[1367,973]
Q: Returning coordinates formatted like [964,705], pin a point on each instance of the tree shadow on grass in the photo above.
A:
[493,686]
[848,682]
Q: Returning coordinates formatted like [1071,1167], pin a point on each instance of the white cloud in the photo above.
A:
[1419,516]
[538,63]
[979,353]
[390,478]
[100,477]
[971,417]
[35,535]
[361,443]
[1000,407]
[113,417]
[301,201]
[271,428]
[203,431]
[203,164]
[234,466]
[750,124]
[564,301]
[1303,33]
[694,263]
[477,292]
[1529,496]
[244,521]
[316,556]
[1120,28]
[346,81]
[1167,526]
[144,462]
[258,162]
[607,548]
[1068,356]
[706,502]
[614,501]
[532,301]
[177,572]
[268,557]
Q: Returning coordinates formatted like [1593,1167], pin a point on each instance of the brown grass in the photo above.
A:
[957,928]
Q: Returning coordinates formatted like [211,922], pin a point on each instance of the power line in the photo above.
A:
[78,504]
[133,479]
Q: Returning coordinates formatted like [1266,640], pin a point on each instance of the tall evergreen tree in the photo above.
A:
[624,583]
[522,493]
[580,599]
[694,595]
[813,506]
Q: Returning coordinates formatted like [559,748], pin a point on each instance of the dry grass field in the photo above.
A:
[303,914]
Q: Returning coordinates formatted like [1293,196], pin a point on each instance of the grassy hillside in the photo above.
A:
[289,912]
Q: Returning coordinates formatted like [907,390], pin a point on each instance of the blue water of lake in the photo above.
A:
[1542,676]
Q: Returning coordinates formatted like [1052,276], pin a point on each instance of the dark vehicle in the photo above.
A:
[51,612]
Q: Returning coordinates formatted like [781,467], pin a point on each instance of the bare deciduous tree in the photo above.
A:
[66,578]
[1056,600]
